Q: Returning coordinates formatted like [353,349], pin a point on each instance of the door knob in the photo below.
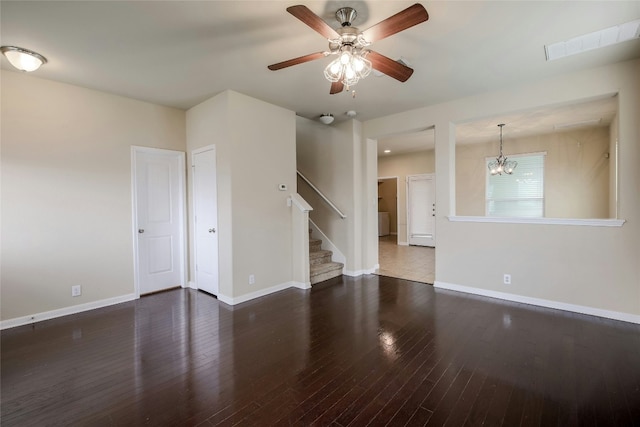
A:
[140,230]
[212,230]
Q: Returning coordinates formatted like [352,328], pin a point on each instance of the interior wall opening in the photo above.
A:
[566,163]
[406,206]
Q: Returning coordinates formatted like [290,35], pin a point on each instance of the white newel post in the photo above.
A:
[300,227]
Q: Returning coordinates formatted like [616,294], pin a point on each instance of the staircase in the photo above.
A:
[321,266]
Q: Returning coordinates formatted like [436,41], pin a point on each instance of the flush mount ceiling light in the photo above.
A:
[327,119]
[501,165]
[595,40]
[23,59]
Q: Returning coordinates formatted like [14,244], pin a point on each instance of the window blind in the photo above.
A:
[520,194]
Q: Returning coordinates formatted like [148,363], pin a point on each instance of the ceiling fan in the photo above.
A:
[355,60]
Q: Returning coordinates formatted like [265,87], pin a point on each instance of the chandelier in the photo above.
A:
[501,164]
[349,67]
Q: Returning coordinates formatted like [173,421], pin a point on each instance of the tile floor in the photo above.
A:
[415,263]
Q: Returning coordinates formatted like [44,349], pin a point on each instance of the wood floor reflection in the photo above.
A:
[350,352]
[416,263]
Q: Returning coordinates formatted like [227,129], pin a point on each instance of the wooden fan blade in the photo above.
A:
[388,66]
[409,17]
[336,87]
[314,21]
[296,61]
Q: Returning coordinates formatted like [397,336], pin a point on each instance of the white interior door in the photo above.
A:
[205,201]
[159,201]
[421,210]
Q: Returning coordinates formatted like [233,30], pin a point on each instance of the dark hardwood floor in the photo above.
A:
[352,351]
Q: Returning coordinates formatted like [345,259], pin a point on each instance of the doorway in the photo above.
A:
[410,159]
[421,210]
[158,178]
[387,206]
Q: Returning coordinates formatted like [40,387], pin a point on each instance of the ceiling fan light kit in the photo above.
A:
[354,60]
[349,67]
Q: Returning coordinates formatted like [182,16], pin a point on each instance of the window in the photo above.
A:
[520,194]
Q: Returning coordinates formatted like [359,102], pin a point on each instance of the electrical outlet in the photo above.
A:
[252,279]
[507,279]
[76,291]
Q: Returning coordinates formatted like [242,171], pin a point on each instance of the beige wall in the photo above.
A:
[66,190]
[333,159]
[324,157]
[254,221]
[576,176]
[595,267]
[402,165]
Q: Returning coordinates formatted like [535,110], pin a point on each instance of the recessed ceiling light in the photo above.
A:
[595,40]
[387,151]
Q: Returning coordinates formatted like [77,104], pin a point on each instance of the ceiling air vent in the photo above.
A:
[596,40]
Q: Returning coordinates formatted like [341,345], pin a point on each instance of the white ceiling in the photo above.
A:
[180,53]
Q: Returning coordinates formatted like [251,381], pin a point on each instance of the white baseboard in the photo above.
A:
[38,317]
[358,273]
[225,299]
[615,315]
[191,285]
[403,243]
[261,293]
[301,285]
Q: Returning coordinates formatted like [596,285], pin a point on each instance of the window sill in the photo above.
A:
[548,221]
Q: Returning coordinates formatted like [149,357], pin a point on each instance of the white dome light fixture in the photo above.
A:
[23,59]
[351,113]
[327,119]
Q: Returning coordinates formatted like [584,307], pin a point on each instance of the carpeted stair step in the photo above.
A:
[315,245]
[328,270]
[319,257]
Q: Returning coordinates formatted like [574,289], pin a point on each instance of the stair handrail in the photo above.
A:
[329,202]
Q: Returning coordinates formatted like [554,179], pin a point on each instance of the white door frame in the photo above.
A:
[432,176]
[134,204]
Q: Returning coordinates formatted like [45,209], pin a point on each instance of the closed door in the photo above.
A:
[421,210]
[159,218]
[205,200]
